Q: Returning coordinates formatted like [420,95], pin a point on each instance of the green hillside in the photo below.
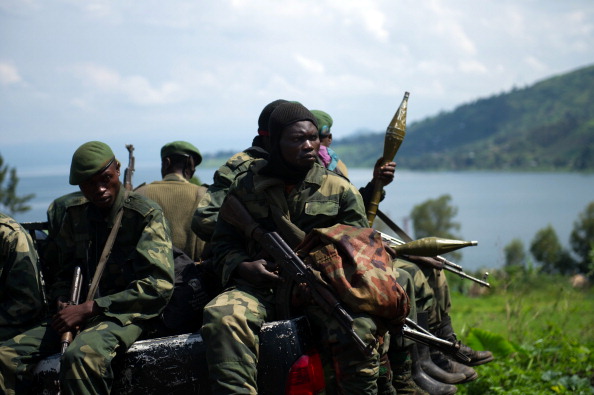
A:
[546,126]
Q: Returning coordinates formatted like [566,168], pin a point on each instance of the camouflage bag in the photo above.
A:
[354,262]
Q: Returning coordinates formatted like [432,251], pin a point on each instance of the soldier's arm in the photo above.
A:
[205,216]
[352,210]
[21,293]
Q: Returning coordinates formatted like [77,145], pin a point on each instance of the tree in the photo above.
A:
[582,237]
[515,254]
[434,217]
[9,201]
[546,249]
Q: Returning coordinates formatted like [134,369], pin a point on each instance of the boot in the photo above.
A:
[402,379]
[453,367]
[445,331]
[427,363]
[425,381]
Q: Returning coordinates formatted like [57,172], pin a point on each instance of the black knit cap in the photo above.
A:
[265,114]
[287,114]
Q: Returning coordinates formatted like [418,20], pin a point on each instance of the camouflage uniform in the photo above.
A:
[205,217]
[135,286]
[179,199]
[22,298]
[432,290]
[233,319]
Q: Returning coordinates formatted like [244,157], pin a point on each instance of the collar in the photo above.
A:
[174,177]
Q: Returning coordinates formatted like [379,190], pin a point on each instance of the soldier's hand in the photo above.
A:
[259,273]
[384,173]
[72,316]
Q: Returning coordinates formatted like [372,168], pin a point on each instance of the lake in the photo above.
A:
[493,207]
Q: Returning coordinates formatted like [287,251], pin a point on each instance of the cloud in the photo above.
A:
[9,75]
[134,88]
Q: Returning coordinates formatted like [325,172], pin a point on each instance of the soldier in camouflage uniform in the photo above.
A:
[22,297]
[135,286]
[177,196]
[205,217]
[290,185]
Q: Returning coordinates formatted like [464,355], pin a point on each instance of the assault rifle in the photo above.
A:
[74,298]
[234,212]
[417,333]
[129,172]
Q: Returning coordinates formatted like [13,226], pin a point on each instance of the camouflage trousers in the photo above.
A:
[85,366]
[405,280]
[431,289]
[233,320]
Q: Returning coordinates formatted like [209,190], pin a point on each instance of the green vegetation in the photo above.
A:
[538,327]
[10,202]
[547,126]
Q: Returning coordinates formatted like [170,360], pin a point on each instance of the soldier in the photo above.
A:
[327,154]
[135,286]
[22,297]
[205,217]
[291,184]
[177,196]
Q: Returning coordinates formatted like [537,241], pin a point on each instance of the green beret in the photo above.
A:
[324,122]
[181,148]
[88,160]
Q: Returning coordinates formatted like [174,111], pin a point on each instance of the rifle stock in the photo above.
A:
[394,136]
[75,288]
[235,213]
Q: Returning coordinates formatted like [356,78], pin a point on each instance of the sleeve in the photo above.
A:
[352,210]
[207,213]
[147,296]
[21,289]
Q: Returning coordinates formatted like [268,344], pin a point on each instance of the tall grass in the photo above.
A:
[540,329]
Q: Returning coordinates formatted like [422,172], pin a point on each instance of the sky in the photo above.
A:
[150,72]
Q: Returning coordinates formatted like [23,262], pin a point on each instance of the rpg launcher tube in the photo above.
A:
[431,246]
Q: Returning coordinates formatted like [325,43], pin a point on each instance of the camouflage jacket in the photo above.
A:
[321,200]
[22,299]
[137,281]
[179,199]
[205,217]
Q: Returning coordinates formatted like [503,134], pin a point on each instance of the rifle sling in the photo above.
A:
[105,254]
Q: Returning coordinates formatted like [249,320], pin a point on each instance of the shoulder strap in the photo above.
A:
[105,254]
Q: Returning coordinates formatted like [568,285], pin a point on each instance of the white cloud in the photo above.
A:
[135,88]
[9,74]
[310,64]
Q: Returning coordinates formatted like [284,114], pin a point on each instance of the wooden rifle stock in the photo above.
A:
[394,136]
[75,288]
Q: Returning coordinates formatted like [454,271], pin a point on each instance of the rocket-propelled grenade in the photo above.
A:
[431,246]
[395,133]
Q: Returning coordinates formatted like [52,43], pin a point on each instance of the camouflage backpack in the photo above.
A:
[354,262]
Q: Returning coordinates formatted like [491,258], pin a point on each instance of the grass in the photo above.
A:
[540,329]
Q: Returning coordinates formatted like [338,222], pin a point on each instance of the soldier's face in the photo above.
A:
[299,144]
[102,188]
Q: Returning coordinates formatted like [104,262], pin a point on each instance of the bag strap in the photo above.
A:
[105,254]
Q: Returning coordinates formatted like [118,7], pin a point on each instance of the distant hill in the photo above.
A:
[546,126]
